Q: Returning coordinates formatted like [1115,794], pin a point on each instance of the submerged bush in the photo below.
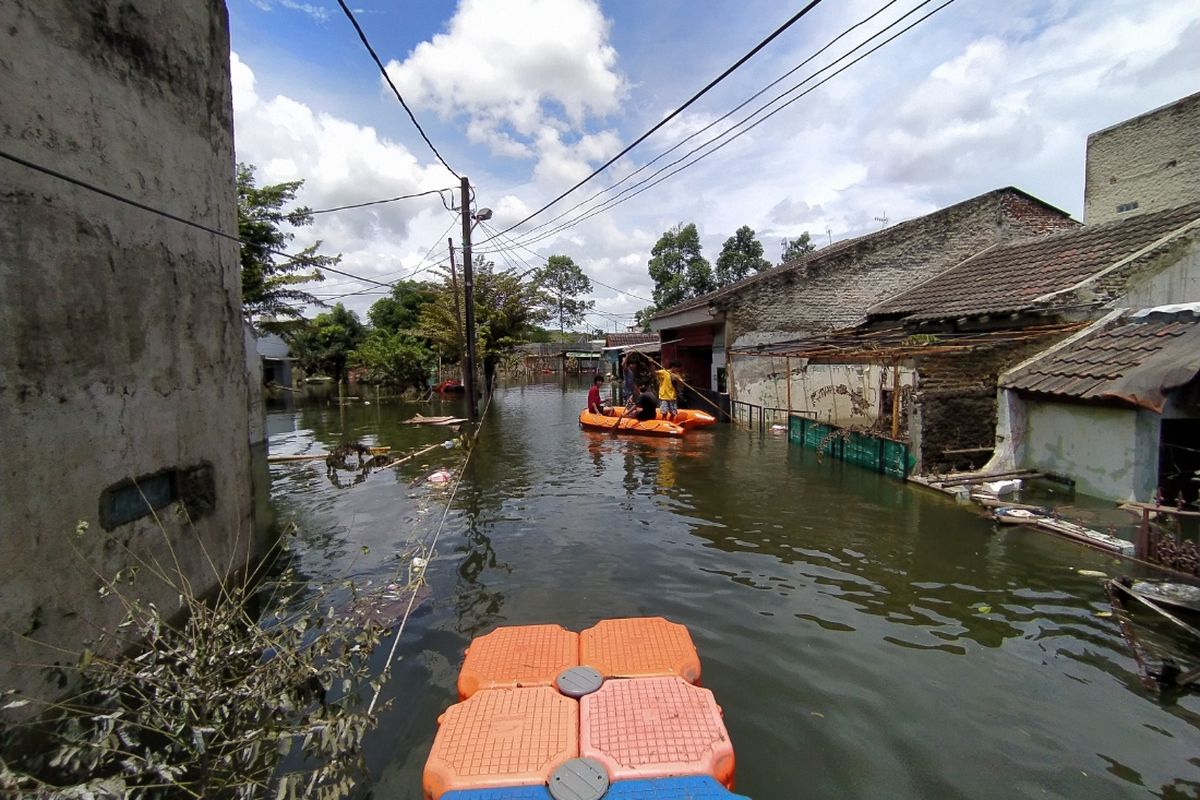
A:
[248,693]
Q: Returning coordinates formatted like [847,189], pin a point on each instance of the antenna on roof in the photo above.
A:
[829,233]
[883,221]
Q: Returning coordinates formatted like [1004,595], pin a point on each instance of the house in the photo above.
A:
[276,359]
[1116,407]
[924,365]
[830,289]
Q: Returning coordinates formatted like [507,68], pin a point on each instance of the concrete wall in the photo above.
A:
[121,343]
[1152,160]
[840,394]
[1160,284]
[1112,453]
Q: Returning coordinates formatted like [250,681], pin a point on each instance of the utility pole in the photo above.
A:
[469,302]
[458,322]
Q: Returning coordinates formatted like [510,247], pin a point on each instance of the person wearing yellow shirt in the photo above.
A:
[668,396]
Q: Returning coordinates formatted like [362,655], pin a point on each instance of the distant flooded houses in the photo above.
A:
[995,330]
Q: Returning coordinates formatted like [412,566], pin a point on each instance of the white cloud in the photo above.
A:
[526,75]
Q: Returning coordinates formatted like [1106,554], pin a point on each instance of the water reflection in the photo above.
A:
[874,639]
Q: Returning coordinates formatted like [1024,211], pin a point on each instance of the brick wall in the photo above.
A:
[957,396]
[1152,161]
[836,289]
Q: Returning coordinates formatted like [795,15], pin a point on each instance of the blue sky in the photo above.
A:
[527,96]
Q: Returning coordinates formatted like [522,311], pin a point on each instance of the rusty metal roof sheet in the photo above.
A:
[1133,358]
[1019,276]
[627,339]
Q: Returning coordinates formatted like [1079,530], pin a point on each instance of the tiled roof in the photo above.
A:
[1132,358]
[1020,276]
[627,339]
[814,258]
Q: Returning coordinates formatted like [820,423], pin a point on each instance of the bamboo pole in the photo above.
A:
[895,401]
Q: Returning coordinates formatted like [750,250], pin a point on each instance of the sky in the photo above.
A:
[527,97]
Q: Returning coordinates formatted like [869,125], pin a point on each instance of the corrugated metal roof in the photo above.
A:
[1132,359]
[626,339]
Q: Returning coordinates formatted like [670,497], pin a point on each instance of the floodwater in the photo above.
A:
[865,639]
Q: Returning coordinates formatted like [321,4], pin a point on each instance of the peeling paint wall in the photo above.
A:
[851,395]
[121,345]
[1112,453]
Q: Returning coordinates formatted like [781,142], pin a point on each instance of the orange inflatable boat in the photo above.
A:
[651,427]
[685,418]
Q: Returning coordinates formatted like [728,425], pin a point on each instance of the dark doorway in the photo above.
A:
[1179,461]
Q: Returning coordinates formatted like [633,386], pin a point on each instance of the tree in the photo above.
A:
[741,255]
[401,311]
[641,320]
[677,268]
[395,357]
[563,282]
[324,344]
[795,248]
[507,311]
[269,279]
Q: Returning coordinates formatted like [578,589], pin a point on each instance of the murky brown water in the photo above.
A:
[864,638]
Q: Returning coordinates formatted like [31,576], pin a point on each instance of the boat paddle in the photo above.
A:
[624,414]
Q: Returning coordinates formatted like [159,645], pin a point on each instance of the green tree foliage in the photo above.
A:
[563,282]
[677,268]
[401,311]
[324,344]
[795,248]
[269,280]
[395,357]
[507,310]
[641,320]
[741,255]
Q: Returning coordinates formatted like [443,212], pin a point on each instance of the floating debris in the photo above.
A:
[1091,573]
[440,476]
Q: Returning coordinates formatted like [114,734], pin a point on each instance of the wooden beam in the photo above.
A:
[895,401]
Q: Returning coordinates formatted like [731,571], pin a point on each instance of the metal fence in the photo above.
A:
[873,452]
[763,417]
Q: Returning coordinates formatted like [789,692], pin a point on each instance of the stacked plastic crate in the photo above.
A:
[614,712]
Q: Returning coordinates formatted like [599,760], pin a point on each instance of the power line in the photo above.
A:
[795,18]
[383,70]
[166,214]
[649,182]
[719,119]
[438,192]
[499,234]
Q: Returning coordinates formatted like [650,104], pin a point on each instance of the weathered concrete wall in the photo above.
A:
[1112,453]
[1148,163]
[849,395]
[121,346]
[835,290]
[1160,285]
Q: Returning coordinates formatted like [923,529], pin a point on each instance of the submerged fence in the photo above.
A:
[873,452]
[752,415]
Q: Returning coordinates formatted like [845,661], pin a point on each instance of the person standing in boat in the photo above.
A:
[595,402]
[667,392]
[627,378]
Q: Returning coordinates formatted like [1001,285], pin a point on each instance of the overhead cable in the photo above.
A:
[166,214]
[438,192]
[718,120]
[733,131]
[383,70]
[795,18]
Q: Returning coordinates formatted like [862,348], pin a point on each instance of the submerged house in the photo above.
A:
[829,289]
[1116,407]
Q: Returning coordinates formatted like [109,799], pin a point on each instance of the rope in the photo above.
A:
[428,555]
[696,392]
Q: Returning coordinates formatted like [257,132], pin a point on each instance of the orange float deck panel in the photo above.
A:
[655,728]
[640,647]
[502,737]
[516,656]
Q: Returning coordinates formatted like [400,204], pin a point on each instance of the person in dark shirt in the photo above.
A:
[595,403]
[646,403]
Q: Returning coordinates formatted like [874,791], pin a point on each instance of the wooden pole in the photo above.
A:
[895,401]
[458,326]
[787,360]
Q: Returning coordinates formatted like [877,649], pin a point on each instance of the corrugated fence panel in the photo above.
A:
[873,452]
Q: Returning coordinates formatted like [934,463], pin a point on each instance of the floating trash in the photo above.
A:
[440,476]
[1091,573]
